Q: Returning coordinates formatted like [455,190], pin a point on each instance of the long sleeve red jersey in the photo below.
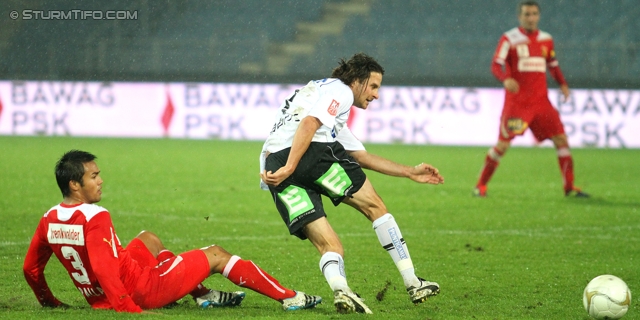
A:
[84,240]
[525,56]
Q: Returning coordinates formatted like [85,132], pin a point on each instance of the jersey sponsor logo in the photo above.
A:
[544,51]
[335,181]
[532,64]
[517,125]
[333,107]
[65,234]
[297,201]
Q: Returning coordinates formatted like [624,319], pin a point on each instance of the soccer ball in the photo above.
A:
[606,297]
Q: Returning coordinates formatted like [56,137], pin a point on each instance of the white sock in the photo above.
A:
[391,240]
[332,266]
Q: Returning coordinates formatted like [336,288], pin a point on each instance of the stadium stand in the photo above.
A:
[444,42]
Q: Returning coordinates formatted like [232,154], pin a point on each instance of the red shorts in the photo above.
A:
[541,118]
[169,281]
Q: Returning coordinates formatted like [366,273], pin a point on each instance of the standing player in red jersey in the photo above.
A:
[525,53]
[144,275]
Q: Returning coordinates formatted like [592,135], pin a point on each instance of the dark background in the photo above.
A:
[431,43]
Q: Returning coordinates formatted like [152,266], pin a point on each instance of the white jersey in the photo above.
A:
[330,101]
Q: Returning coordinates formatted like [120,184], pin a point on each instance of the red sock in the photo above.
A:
[491,162]
[566,168]
[199,291]
[246,274]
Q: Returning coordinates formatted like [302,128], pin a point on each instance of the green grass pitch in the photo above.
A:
[525,252]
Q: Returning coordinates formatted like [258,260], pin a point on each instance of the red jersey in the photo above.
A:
[84,240]
[525,57]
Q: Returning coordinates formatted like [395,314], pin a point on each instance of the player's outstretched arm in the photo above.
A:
[34,265]
[423,173]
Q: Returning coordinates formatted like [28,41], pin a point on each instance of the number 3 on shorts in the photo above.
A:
[335,181]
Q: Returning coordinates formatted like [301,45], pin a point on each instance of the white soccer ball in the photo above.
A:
[606,297]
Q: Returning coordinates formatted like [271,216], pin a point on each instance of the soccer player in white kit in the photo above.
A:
[311,152]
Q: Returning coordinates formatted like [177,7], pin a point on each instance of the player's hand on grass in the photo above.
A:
[511,85]
[63,305]
[426,173]
[276,178]
[56,304]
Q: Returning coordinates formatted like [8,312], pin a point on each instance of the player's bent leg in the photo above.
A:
[321,234]
[367,201]
[393,242]
[151,241]
[247,274]
[140,253]
[138,248]
[565,160]
[218,258]
[171,280]
[324,238]
[492,160]
[502,146]
[560,140]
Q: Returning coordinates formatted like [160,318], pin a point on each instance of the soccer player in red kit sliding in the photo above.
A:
[144,275]
[520,63]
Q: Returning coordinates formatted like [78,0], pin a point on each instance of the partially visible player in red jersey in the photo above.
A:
[144,275]
[520,63]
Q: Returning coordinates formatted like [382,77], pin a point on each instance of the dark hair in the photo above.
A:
[71,168]
[359,67]
[527,3]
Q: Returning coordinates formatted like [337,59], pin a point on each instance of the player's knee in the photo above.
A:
[217,256]
[151,241]
[215,249]
[369,203]
[145,233]
[502,147]
[374,209]
[323,237]
[560,141]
